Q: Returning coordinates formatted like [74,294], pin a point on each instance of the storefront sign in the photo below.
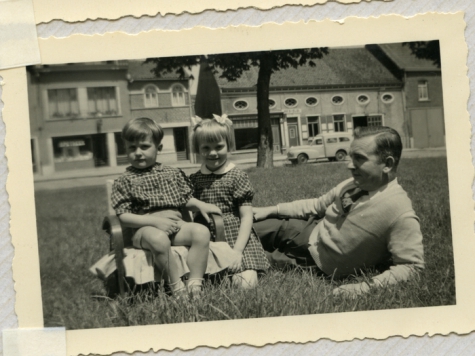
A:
[291,111]
[74,143]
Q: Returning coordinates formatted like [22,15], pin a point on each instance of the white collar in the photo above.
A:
[225,168]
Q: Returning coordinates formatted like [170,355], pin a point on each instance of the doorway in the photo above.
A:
[180,135]
[293,127]
[428,127]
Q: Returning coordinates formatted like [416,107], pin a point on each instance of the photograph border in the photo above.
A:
[449,29]
[49,10]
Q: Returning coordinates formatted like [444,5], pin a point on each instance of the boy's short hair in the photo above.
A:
[140,128]
[388,141]
[210,130]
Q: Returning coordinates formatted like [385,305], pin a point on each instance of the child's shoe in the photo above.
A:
[178,289]
[194,286]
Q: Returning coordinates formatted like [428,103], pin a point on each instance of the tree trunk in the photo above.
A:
[265,149]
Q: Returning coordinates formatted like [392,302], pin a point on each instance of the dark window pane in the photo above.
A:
[246,138]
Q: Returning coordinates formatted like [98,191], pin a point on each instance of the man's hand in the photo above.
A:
[236,261]
[263,213]
[351,290]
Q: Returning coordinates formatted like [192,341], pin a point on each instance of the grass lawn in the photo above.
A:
[70,241]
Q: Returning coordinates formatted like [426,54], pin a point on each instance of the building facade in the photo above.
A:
[422,93]
[77,112]
[347,88]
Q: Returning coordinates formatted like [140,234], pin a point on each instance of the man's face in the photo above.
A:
[142,153]
[367,170]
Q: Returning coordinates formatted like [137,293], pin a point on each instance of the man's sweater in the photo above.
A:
[383,228]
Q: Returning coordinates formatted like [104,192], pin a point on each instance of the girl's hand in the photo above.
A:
[236,261]
[206,209]
[167,225]
[263,213]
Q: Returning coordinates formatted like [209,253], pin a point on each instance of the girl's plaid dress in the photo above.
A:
[229,189]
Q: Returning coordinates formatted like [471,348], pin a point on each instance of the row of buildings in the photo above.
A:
[78,110]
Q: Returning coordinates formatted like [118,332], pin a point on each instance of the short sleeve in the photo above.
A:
[243,191]
[184,185]
[121,197]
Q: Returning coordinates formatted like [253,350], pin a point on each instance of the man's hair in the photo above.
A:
[388,142]
[140,128]
[210,130]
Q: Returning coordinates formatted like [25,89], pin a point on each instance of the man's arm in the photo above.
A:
[299,209]
[407,254]
[407,251]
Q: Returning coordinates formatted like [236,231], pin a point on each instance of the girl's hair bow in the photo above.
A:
[196,120]
[223,120]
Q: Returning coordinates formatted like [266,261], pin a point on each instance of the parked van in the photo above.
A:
[334,146]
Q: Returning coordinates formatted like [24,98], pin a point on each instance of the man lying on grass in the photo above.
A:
[364,221]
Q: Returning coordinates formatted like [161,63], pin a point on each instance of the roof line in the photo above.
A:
[328,86]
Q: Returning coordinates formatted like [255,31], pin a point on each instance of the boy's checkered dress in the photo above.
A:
[141,191]
[229,191]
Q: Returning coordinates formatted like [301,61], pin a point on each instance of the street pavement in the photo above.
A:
[99,176]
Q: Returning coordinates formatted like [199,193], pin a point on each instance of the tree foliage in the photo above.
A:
[426,50]
[231,66]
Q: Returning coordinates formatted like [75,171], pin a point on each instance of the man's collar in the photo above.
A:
[391,184]
[225,168]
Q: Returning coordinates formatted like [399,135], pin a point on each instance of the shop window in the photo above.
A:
[245,138]
[311,101]
[290,102]
[79,152]
[63,103]
[313,126]
[178,95]
[151,97]
[72,149]
[339,123]
[337,100]
[102,101]
[423,90]
[240,105]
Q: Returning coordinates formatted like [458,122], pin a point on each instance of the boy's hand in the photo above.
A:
[206,209]
[236,261]
[167,225]
[263,213]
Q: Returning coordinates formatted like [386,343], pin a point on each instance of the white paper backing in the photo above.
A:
[453,344]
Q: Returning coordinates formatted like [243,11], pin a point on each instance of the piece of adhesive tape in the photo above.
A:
[34,342]
[18,37]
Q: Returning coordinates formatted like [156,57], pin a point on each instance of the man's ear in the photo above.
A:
[390,165]
[159,147]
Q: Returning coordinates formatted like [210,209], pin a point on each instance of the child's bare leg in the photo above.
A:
[158,243]
[246,279]
[196,236]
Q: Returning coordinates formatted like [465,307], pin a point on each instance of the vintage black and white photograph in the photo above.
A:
[236,191]
[290,141]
